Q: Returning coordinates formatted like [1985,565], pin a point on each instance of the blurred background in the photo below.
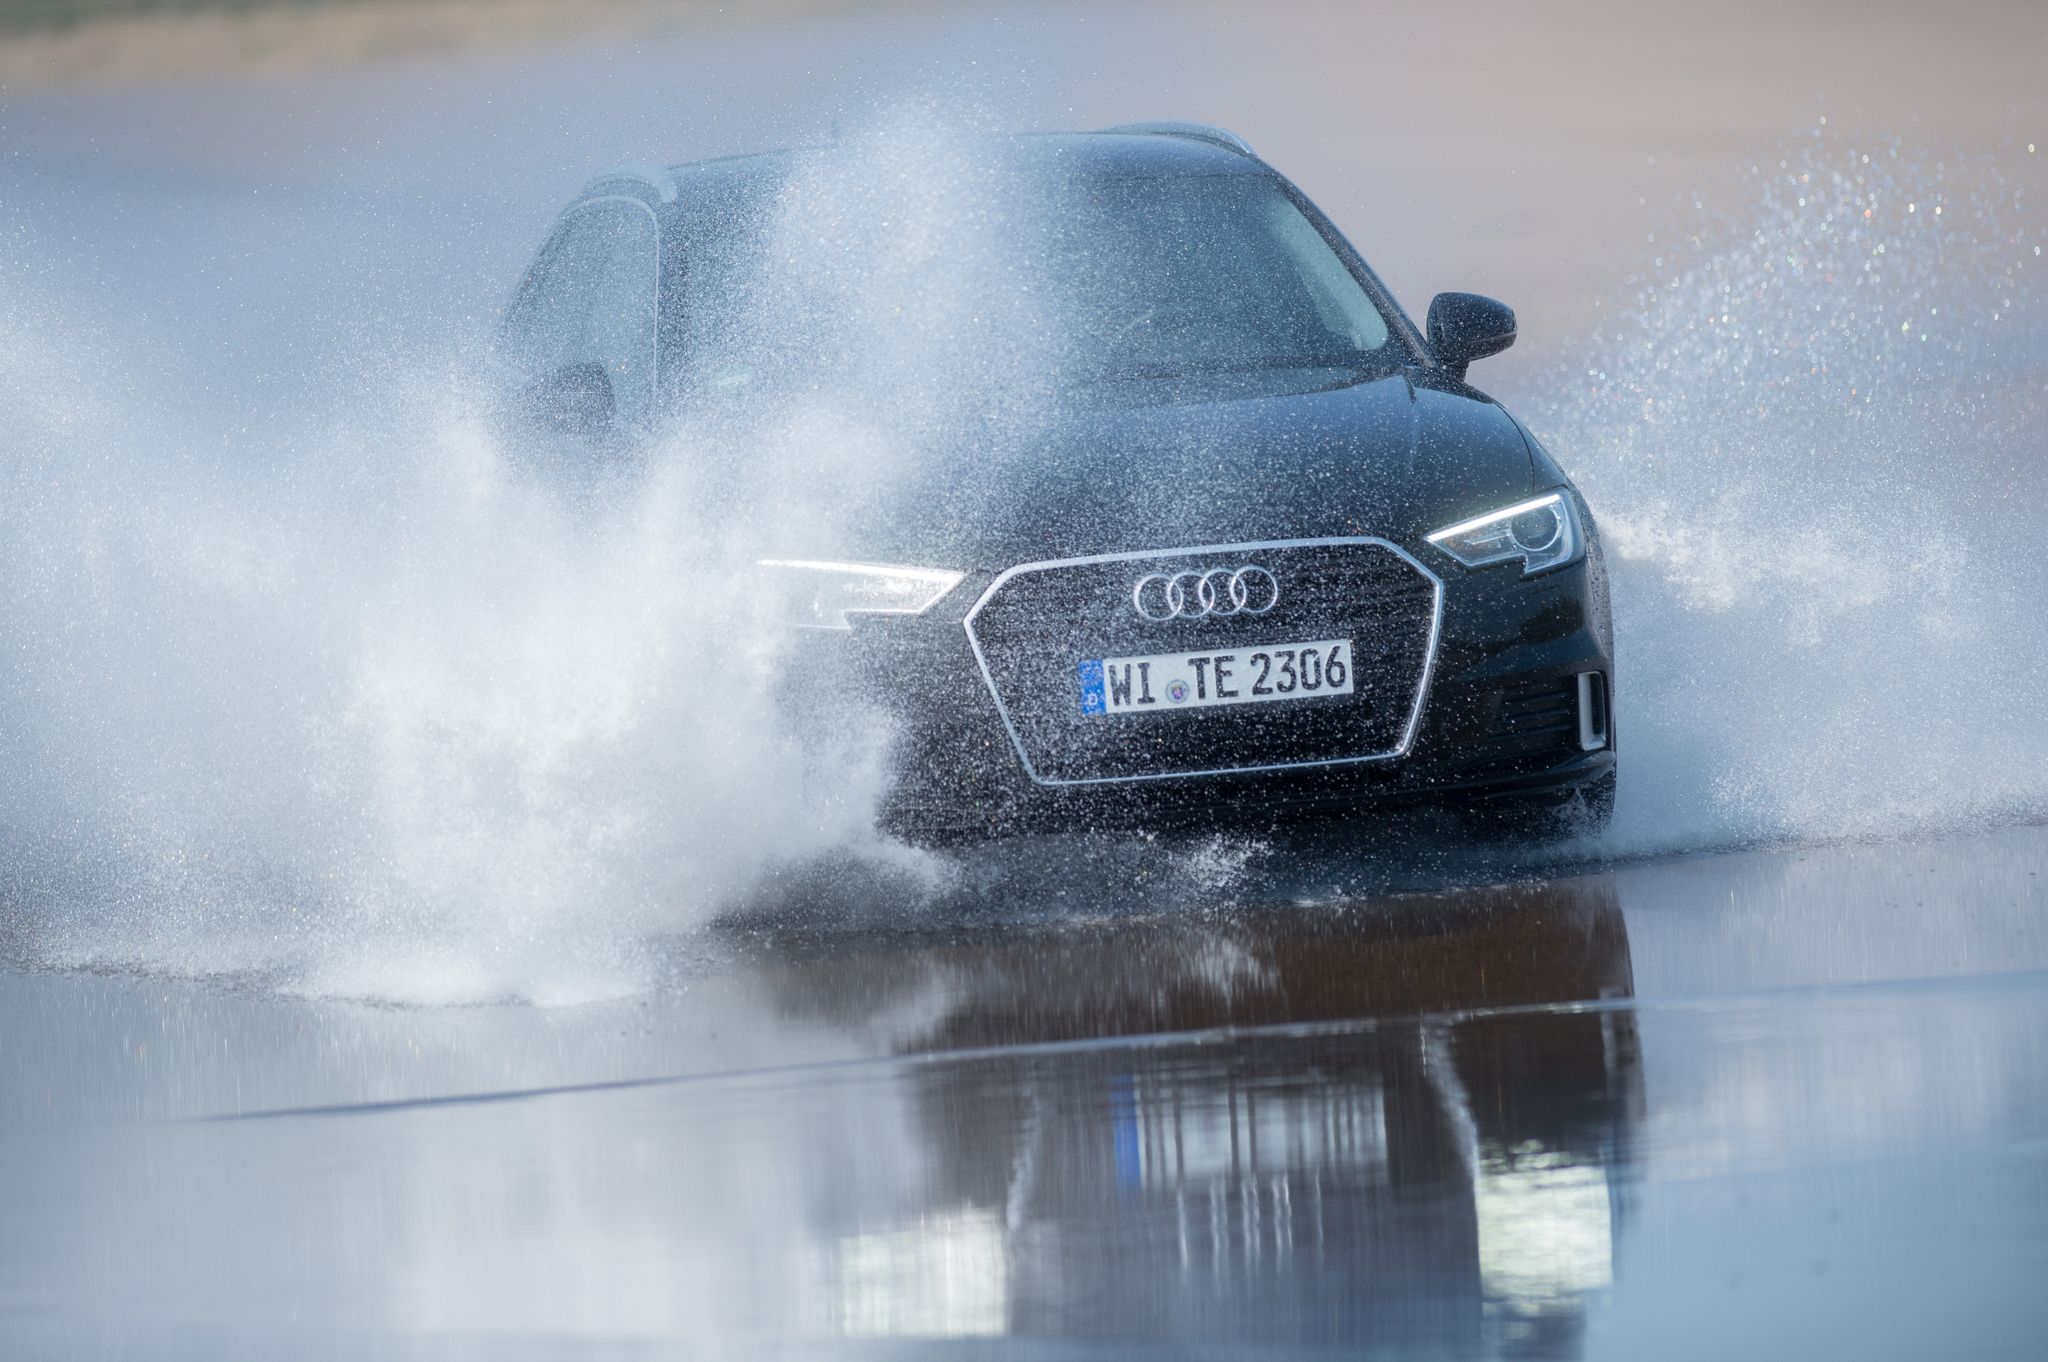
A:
[1533,151]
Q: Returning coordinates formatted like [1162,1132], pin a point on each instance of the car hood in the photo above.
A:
[1395,457]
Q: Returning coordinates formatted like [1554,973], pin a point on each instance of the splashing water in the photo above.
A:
[363,709]
[1813,438]
[415,730]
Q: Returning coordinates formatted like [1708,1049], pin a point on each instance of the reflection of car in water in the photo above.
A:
[1249,545]
[1422,1154]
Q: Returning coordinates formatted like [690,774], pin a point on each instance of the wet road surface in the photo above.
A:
[1774,1103]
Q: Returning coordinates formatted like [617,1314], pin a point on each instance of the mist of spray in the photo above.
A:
[1813,435]
[363,708]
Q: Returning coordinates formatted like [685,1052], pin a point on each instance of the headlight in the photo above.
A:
[1543,533]
[828,595]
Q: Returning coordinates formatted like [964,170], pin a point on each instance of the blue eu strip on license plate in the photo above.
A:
[1091,687]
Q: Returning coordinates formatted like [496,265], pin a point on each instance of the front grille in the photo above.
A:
[1038,622]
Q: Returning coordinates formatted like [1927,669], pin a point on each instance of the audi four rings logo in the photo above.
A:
[1217,593]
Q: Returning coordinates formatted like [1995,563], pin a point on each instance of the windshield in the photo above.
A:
[1072,281]
[1193,273]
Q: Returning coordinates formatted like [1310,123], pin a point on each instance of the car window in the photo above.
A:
[591,300]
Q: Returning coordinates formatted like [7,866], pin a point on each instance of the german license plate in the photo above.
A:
[1241,676]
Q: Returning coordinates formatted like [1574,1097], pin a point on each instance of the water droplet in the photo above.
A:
[1912,207]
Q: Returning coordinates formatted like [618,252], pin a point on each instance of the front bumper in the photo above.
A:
[1502,713]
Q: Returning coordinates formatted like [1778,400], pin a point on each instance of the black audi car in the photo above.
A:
[1204,534]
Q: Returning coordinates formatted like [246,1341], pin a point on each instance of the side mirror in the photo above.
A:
[1466,326]
[574,401]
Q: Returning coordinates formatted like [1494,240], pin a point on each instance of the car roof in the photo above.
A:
[1155,152]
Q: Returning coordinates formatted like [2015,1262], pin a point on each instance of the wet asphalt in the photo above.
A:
[1766,1103]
